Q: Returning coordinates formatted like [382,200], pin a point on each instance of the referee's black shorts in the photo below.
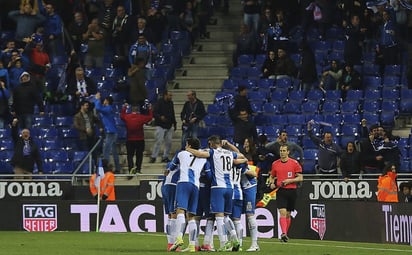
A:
[286,198]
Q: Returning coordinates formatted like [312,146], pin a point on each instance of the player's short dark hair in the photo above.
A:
[405,185]
[214,139]
[193,142]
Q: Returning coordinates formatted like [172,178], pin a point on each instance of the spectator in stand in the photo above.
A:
[107,190]
[121,40]
[53,29]
[164,115]
[329,152]
[145,50]
[265,160]
[371,159]
[107,116]
[354,34]
[244,128]
[249,151]
[15,71]
[350,162]
[251,14]
[87,124]
[27,19]
[4,105]
[4,74]
[279,32]
[350,80]
[307,74]
[389,147]
[15,55]
[156,21]
[363,129]
[79,87]
[266,22]
[269,66]
[330,78]
[76,29]
[387,50]
[387,186]
[202,12]
[26,153]
[39,64]
[241,102]
[94,37]
[192,115]
[25,97]
[142,29]
[246,43]
[9,51]
[406,189]
[135,143]
[137,86]
[189,22]
[106,13]
[295,150]
[285,67]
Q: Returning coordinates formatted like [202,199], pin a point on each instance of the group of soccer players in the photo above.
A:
[214,183]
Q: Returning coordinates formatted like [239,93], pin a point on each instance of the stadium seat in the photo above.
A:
[249,84]
[371,106]
[6,144]
[277,120]
[283,83]
[374,82]
[257,96]
[387,119]
[59,155]
[392,70]
[310,154]
[279,96]
[229,85]
[260,59]
[349,130]
[294,119]
[245,60]
[215,109]
[373,94]
[390,81]
[314,95]
[63,168]
[330,107]
[297,96]
[307,143]
[254,73]
[390,106]
[349,107]
[310,108]
[271,108]
[273,130]
[51,144]
[256,106]
[43,121]
[294,130]
[334,119]
[370,69]
[46,133]
[351,119]
[354,95]
[405,166]
[345,139]
[391,94]
[63,121]
[333,95]
[371,117]
[338,45]
[291,107]
[266,84]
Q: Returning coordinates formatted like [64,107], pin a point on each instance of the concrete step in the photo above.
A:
[217,46]
[200,82]
[200,70]
[206,95]
[210,59]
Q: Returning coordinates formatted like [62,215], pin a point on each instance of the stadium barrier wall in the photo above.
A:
[333,215]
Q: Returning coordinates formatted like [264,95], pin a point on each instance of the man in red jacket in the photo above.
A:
[135,135]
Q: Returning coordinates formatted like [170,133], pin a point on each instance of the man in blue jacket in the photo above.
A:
[107,116]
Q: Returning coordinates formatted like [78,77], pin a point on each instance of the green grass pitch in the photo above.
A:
[65,243]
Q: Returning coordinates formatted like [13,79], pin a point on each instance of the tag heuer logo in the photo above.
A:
[41,218]
[318,219]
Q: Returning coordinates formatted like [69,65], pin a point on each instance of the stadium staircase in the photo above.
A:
[203,71]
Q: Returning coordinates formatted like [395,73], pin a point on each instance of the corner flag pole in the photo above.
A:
[99,176]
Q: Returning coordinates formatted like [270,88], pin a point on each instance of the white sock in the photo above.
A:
[192,232]
[169,230]
[197,232]
[239,230]
[230,228]
[208,238]
[252,228]
[221,231]
[180,225]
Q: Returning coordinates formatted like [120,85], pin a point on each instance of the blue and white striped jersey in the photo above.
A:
[221,163]
[190,167]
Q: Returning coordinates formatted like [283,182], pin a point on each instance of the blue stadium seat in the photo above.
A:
[349,107]
[354,95]
[291,107]
[6,144]
[294,130]
[63,121]
[211,120]
[63,168]
[297,96]
[310,108]
[370,69]
[256,106]
[314,95]
[51,144]
[307,143]
[390,81]
[273,130]
[258,96]
[284,83]
[405,106]
[351,119]
[238,73]
[249,84]
[5,167]
[392,70]
[349,130]
[309,166]
[260,59]
[405,166]
[266,84]
[5,133]
[334,119]
[271,108]
[46,133]
[390,106]
[371,117]
[374,82]
[254,73]
[279,96]
[387,119]
[338,45]
[330,107]
[345,139]
[215,109]
[59,155]
[43,121]
[296,119]
[278,119]
[373,94]
[333,95]
[245,60]
[371,106]
[229,85]
[66,132]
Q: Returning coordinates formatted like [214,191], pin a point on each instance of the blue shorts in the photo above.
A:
[187,197]
[237,208]
[249,200]
[221,200]
[203,206]
[168,197]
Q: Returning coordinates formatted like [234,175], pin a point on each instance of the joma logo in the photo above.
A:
[340,189]
[30,189]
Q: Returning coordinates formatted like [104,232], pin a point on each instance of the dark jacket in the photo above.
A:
[25,97]
[350,163]
[190,111]
[164,108]
[25,162]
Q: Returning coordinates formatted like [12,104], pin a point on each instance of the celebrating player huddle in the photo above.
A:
[215,183]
